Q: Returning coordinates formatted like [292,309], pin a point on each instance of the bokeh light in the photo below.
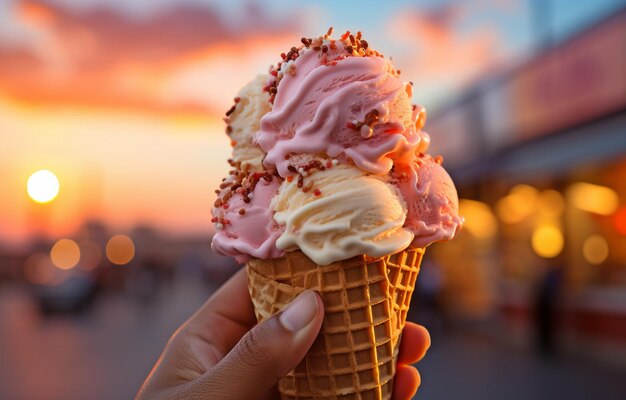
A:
[593,198]
[550,203]
[120,249]
[479,220]
[42,186]
[547,240]
[619,221]
[518,205]
[595,249]
[65,254]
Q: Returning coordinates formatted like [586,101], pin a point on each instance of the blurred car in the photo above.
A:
[73,295]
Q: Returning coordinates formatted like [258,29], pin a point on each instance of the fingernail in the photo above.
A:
[300,312]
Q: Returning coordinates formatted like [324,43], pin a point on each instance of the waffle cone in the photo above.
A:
[366,302]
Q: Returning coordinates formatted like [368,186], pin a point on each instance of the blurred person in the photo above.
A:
[221,353]
[545,309]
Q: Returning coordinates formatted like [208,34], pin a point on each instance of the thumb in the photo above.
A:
[267,352]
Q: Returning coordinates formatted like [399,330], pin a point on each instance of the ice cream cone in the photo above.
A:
[366,302]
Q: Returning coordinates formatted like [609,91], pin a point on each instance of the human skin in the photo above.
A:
[222,353]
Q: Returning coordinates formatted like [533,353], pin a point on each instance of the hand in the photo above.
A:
[222,353]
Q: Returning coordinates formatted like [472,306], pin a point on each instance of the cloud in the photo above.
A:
[439,53]
[16,59]
[103,57]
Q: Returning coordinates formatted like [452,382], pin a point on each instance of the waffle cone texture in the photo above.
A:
[366,302]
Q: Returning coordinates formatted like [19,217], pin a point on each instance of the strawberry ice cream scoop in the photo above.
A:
[341,99]
[243,217]
[431,198]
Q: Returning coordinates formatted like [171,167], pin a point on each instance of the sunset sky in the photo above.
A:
[123,100]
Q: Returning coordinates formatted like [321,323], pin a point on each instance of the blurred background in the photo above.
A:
[112,141]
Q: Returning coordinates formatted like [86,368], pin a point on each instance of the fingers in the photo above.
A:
[406,382]
[415,342]
[231,300]
[267,352]
[225,317]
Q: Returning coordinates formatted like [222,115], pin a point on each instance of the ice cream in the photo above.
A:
[243,217]
[244,196]
[244,118]
[342,99]
[332,189]
[348,213]
[333,101]
[432,201]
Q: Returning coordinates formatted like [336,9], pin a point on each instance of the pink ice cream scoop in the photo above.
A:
[243,217]
[330,99]
[431,198]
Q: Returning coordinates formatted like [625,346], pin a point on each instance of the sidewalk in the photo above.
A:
[107,354]
[473,367]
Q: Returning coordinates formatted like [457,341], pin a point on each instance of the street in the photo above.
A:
[107,352]
[471,367]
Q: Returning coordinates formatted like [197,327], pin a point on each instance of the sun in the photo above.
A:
[43,186]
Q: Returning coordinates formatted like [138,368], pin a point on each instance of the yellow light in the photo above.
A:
[506,211]
[120,249]
[595,249]
[65,254]
[518,205]
[550,203]
[593,198]
[42,186]
[525,193]
[547,241]
[479,220]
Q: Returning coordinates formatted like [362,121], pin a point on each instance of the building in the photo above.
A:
[539,158]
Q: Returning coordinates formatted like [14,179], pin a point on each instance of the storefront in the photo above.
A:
[539,156]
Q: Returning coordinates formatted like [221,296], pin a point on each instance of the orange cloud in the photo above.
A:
[438,57]
[102,57]
[35,13]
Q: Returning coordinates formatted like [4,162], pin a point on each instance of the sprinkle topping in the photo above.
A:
[365,127]
[306,170]
[353,45]
[238,182]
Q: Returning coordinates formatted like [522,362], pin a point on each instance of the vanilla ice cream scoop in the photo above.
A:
[251,103]
[340,212]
